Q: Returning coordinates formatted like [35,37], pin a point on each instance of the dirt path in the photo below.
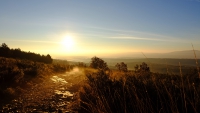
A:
[54,95]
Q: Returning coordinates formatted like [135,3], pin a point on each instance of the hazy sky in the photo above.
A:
[100,27]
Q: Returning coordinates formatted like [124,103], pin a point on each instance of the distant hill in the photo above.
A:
[187,54]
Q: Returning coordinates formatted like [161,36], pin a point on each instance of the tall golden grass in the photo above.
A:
[141,92]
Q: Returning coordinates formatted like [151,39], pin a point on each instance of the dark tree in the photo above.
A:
[49,59]
[5,51]
[4,46]
[142,68]
[122,67]
[98,63]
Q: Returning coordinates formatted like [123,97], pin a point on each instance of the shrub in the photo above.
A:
[98,63]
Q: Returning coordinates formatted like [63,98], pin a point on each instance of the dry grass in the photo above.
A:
[139,93]
[195,57]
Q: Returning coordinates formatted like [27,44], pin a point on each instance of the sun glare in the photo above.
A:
[68,42]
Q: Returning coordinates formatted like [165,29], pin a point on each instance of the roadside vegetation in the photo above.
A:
[139,91]
[94,88]
[19,73]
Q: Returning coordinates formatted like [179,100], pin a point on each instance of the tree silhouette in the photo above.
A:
[5,51]
[142,68]
[98,63]
[4,46]
[122,67]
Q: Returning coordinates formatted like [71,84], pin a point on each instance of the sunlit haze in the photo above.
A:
[68,43]
[104,28]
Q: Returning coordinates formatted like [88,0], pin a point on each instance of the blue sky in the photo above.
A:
[102,28]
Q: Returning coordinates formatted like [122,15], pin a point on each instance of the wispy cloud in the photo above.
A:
[32,41]
[130,31]
[129,34]
[138,38]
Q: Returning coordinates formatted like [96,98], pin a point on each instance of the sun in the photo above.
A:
[68,42]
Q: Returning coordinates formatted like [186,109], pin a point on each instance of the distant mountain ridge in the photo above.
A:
[187,54]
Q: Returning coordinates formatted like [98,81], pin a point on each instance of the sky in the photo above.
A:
[100,27]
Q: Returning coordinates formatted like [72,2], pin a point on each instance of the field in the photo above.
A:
[157,65]
[160,85]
